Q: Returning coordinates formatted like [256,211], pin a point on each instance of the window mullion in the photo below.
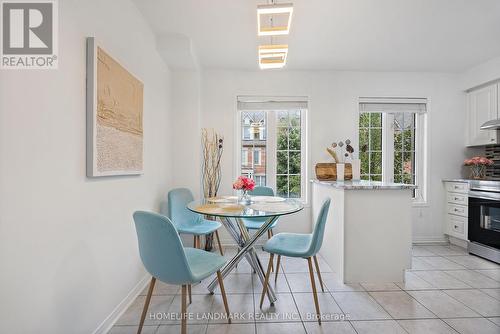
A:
[271,149]
[387,147]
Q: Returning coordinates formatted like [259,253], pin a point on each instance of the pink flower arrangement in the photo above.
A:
[478,161]
[244,183]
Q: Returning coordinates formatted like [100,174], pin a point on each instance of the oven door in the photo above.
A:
[484,219]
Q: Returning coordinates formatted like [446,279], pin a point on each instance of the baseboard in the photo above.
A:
[430,240]
[458,242]
[110,320]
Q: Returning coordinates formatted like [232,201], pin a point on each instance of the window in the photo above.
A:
[274,133]
[257,157]
[391,142]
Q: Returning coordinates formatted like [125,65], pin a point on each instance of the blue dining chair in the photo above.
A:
[188,222]
[299,245]
[256,223]
[165,258]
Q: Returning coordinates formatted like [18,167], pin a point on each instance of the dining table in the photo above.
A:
[231,212]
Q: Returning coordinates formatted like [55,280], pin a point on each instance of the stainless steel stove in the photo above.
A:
[484,219]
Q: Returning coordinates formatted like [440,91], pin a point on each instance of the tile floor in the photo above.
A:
[446,291]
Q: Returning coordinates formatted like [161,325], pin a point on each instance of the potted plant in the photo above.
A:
[478,167]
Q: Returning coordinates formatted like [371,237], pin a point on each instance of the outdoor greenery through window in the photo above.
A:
[391,144]
[272,149]
[288,154]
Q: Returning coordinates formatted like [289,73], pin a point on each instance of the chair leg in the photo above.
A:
[190,296]
[319,273]
[218,242]
[277,269]
[223,292]
[315,293]
[266,279]
[194,241]
[146,304]
[183,311]
[272,233]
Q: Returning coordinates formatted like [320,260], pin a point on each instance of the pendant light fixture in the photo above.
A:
[279,17]
[281,13]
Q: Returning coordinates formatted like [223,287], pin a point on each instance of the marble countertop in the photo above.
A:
[365,185]
[457,180]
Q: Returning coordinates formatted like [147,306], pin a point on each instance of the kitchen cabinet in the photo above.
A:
[482,106]
[457,209]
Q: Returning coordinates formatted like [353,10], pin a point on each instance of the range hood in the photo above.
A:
[494,124]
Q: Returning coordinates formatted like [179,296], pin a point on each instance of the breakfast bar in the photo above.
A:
[368,231]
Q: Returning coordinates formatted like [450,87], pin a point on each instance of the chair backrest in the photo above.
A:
[161,249]
[262,191]
[319,229]
[178,199]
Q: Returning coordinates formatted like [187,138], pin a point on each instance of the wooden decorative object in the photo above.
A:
[328,171]
[212,144]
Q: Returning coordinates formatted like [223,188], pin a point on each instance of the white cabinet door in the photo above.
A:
[482,106]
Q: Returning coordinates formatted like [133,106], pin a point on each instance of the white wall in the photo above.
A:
[68,250]
[481,74]
[333,114]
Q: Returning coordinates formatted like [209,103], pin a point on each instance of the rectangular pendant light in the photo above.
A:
[272,56]
[276,10]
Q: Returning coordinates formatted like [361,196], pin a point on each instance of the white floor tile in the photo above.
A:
[441,263]
[359,306]
[496,320]
[474,279]
[495,293]
[329,309]
[491,273]
[339,327]
[378,327]
[477,300]
[473,262]
[446,250]
[380,286]
[473,326]
[333,283]
[176,329]
[241,307]
[280,328]
[441,280]
[159,304]
[426,326]
[230,329]
[284,309]
[401,305]
[442,304]
[421,251]
[413,282]
[133,329]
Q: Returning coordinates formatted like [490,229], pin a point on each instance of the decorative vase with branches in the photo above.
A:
[213,147]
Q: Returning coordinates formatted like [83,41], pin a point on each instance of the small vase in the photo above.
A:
[356,169]
[245,198]
[340,171]
[477,172]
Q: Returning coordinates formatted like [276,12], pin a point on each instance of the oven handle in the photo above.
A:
[484,195]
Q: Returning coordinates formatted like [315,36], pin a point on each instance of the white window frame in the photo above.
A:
[244,158]
[420,198]
[271,144]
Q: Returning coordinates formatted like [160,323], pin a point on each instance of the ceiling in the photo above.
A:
[370,35]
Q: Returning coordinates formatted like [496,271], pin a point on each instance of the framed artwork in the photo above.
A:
[114,116]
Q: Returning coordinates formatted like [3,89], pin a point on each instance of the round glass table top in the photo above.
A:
[230,207]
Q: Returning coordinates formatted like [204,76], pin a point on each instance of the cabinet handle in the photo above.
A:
[456,198]
[456,226]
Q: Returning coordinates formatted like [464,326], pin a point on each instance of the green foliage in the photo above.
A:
[288,155]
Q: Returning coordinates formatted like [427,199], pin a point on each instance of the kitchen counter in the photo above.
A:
[368,230]
[365,185]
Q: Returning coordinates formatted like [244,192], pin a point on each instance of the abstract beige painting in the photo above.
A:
[116,132]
